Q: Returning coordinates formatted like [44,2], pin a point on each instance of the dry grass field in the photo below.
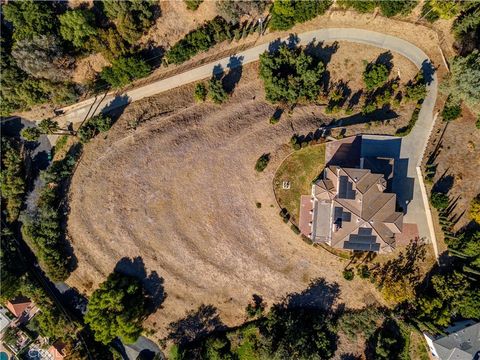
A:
[180,191]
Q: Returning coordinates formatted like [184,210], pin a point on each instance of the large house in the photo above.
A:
[462,342]
[349,209]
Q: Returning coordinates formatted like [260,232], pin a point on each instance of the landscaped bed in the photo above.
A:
[299,169]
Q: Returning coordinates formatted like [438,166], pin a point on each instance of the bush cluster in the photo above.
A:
[94,125]
[387,8]
[124,70]
[286,13]
[201,39]
[375,75]
[262,162]
[452,110]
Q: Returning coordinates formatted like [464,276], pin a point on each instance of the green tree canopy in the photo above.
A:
[43,57]
[285,13]
[216,92]
[291,75]
[375,75]
[77,26]
[29,18]
[124,70]
[463,82]
[117,309]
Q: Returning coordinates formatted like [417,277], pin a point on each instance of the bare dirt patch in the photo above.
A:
[180,191]
[458,162]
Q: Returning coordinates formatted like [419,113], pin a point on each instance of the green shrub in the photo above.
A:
[216,92]
[404,131]
[200,93]
[291,75]
[94,125]
[375,75]
[201,39]
[262,162]
[369,108]
[416,90]
[295,229]
[363,272]
[396,7]
[477,123]
[192,4]
[286,13]
[348,274]
[439,200]
[258,205]
[124,70]
[274,120]
[452,110]
[365,6]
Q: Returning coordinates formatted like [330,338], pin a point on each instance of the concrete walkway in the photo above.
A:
[413,145]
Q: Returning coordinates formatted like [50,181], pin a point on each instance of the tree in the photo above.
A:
[389,341]
[110,43]
[233,10]
[132,17]
[446,9]
[117,309]
[94,125]
[416,90]
[124,70]
[291,75]
[43,57]
[375,75]
[439,200]
[452,110]
[285,13]
[193,4]
[77,26]
[475,209]
[297,333]
[31,133]
[200,93]
[12,183]
[395,7]
[256,307]
[30,18]
[48,126]
[216,92]
[463,82]
[262,162]
[365,6]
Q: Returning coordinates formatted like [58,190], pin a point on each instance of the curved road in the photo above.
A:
[412,147]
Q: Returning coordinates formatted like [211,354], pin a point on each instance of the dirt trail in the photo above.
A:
[180,192]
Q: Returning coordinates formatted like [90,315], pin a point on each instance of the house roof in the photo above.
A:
[362,215]
[463,344]
[18,305]
[57,349]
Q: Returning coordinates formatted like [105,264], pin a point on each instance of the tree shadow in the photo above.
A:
[428,70]
[231,79]
[379,114]
[322,51]
[319,295]
[355,98]
[291,42]
[444,184]
[153,284]
[395,340]
[350,356]
[117,106]
[153,54]
[385,58]
[196,325]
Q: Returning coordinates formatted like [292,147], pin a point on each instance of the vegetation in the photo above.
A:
[94,125]
[443,9]
[375,75]
[398,278]
[452,110]
[416,90]
[200,93]
[193,4]
[43,230]
[291,75]
[465,28]
[124,70]
[439,200]
[78,26]
[233,10]
[389,342]
[475,209]
[404,131]
[300,169]
[117,309]
[201,39]
[12,181]
[286,13]
[262,162]
[387,8]
[348,274]
[464,79]
[255,308]
[216,92]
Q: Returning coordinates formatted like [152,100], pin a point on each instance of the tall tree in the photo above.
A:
[117,309]
[43,57]
[77,26]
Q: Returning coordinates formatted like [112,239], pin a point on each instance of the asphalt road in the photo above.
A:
[413,145]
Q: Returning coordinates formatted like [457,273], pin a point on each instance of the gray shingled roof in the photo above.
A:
[461,345]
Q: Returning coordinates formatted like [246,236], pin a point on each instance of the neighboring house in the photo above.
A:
[350,209]
[462,342]
[57,350]
[22,308]
[4,320]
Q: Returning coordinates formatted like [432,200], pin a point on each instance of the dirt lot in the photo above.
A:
[181,190]
[458,169]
